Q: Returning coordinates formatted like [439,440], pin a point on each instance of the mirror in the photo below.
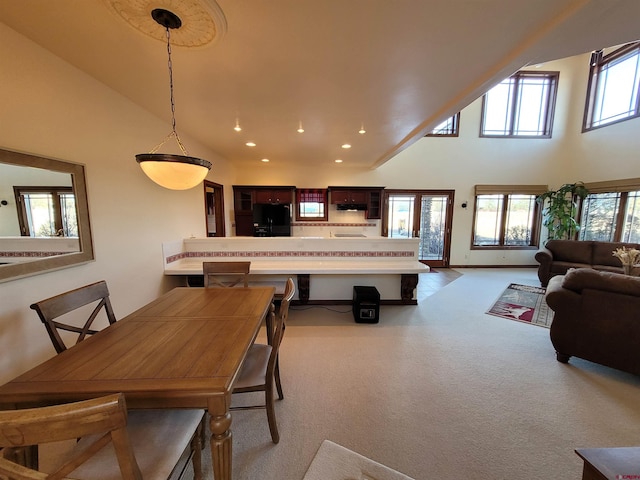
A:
[22,255]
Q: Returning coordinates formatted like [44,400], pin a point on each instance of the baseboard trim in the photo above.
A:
[350,302]
[490,266]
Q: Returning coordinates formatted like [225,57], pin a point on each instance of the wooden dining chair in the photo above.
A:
[111,445]
[50,309]
[260,370]
[226,274]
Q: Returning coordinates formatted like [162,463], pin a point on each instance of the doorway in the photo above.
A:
[214,209]
[424,214]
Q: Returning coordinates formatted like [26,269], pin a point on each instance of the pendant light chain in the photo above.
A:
[174,132]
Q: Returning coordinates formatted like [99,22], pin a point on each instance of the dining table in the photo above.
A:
[182,350]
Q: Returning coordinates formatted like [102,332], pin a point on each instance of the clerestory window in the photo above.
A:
[520,106]
[612,93]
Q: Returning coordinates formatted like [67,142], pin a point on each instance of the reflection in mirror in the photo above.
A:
[44,215]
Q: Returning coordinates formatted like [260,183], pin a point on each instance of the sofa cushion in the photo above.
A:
[579,279]
[570,251]
[603,253]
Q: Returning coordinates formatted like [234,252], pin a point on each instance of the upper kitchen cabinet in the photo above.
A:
[369,198]
[274,195]
[340,195]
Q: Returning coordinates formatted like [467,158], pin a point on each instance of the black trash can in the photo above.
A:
[366,304]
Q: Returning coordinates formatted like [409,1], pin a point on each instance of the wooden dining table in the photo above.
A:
[182,350]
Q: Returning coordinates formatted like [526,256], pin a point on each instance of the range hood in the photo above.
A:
[352,206]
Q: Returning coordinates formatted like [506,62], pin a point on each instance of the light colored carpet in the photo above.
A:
[334,462]
[440,390]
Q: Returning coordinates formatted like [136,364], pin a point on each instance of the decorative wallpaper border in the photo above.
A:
[327,224]
[31,254]
[281,253]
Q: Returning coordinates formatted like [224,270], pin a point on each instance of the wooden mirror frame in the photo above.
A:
[24,269]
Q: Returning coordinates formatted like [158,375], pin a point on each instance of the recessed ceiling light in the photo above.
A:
[250,144]
[237,128]
[362,131]
[300,129]
[346,145]
[265,160]
[338,160]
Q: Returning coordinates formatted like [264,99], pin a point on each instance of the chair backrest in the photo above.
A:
[226,274]
[106,416]
[280,325]
[51,308]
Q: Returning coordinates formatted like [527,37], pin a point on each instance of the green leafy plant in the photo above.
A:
[560,208]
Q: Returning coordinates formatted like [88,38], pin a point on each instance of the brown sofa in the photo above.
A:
[558,256]
[597,318]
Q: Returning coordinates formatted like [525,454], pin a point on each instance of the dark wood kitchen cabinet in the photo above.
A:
[370,196]
[348,195]
[275,195]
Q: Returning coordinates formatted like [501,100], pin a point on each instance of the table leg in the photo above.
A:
[221,444]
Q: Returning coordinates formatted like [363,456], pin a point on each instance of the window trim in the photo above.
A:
[23,221]
[623,187]
[455,128]
[554,77]
[300,192]
[506,191]
[597,61]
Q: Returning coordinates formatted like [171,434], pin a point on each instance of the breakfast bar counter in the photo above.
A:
[327,269]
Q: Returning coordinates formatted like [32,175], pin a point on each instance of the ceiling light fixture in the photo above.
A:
[362,131]
[237,128]
[338,160]
[265,160]
[346,145]
[300,129]
[176,172]
[250,144]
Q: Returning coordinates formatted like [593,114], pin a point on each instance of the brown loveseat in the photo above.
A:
[597,318]
[558,256]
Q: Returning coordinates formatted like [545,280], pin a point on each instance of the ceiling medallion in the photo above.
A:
[203,21]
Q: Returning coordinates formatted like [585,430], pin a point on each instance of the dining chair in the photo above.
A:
[52,308]
[95,295]
[111,446]
[260,370]
[226,274]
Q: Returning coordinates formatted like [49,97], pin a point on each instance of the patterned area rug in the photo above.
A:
[523,303]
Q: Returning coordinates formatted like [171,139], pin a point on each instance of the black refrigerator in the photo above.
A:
[271,220]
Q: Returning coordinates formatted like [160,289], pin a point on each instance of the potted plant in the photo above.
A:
[560,208]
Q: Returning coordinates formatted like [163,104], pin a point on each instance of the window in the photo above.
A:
[611,212]
[507,216]
[311,204]
[612,94]
[520,106]
[47,211]
[448,128]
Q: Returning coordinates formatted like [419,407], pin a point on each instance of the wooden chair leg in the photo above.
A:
[196,448]
[277,378]
[271,414]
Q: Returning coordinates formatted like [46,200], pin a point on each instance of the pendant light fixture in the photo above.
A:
[176,172]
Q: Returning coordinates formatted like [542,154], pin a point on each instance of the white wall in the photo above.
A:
[51,109]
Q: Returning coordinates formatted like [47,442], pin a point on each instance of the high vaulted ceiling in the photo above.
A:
[395,67]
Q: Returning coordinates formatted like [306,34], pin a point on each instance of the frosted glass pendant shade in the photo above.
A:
[175,172]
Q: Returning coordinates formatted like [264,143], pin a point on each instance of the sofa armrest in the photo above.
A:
[544,257]
[559,298]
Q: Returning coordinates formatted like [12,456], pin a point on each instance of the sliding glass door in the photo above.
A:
[424,214]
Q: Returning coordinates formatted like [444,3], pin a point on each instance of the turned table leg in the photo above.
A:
[221,444]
